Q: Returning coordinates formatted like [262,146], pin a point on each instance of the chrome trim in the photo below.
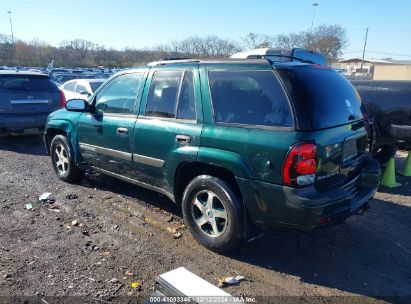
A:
[29,101]
[119,115]
[150,161]
[245,126]
[171,119]
[136,182]
[110,152]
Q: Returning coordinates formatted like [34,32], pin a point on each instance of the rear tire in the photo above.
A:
[213,213]
[62,158]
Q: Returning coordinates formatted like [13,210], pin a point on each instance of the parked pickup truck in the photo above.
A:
[389,103]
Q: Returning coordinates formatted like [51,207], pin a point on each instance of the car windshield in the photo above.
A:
[328,98]
[95,85]
[25,83]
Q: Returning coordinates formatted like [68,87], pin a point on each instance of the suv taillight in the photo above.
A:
[62,99]
[300,165]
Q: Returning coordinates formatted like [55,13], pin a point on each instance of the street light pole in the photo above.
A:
[11,26]
[310,38]
[315,4]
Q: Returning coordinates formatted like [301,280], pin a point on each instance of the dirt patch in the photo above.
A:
[100,236]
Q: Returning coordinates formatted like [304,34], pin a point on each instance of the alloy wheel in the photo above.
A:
[209,213]
[62,160]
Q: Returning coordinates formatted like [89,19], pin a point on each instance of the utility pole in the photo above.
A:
[11,26]
[363,51]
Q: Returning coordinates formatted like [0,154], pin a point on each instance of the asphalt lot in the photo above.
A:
[121,237]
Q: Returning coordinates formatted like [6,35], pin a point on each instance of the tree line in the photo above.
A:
[329,40]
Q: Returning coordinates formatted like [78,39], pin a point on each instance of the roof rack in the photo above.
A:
[281,56]
[172,61]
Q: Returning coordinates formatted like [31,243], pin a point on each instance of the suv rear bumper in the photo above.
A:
[306,208]
[19,122]
[401,132]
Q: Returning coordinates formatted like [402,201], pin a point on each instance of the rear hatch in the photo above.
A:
[332,108]
[28,94]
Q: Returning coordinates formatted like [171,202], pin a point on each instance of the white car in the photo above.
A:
[81,88]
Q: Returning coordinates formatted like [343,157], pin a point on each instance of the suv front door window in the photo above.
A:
[105,137]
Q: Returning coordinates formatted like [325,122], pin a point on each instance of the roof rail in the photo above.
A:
[171,61]
[281,56]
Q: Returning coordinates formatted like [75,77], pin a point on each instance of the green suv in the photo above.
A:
[238,143]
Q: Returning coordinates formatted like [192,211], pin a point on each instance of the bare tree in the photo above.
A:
[254,41]
[330,40]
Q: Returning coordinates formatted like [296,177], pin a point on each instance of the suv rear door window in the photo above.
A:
[249,98]
[163,93]
[328,98]
[186,103]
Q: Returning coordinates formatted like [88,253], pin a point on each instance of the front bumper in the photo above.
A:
[305,208]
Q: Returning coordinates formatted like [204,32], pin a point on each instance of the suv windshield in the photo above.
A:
[25,83]
[250,98]
[327,97]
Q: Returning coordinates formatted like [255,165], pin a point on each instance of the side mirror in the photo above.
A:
[77,105]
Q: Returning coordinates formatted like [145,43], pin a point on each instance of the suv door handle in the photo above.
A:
[122,131]
[183,138]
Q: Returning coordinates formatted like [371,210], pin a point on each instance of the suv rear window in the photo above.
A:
[328,98]
[250,98]
[26,83]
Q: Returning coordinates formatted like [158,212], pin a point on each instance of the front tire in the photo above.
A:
[62,158]
[213,213]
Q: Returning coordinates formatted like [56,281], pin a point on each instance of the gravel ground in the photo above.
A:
[121,236]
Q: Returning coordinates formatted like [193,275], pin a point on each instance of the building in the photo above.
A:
[352,66]
[377,69]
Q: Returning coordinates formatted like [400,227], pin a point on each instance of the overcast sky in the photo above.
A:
[138,24]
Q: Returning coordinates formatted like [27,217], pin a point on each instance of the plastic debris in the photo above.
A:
[177,235]
[227,281]
[135,285]
[71,196]
[91,247]
[74,223]
[45,198]
[113,280]
[29,206]
[129,273]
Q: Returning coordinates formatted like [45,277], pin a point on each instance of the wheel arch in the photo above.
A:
[66,128]
[187,171]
